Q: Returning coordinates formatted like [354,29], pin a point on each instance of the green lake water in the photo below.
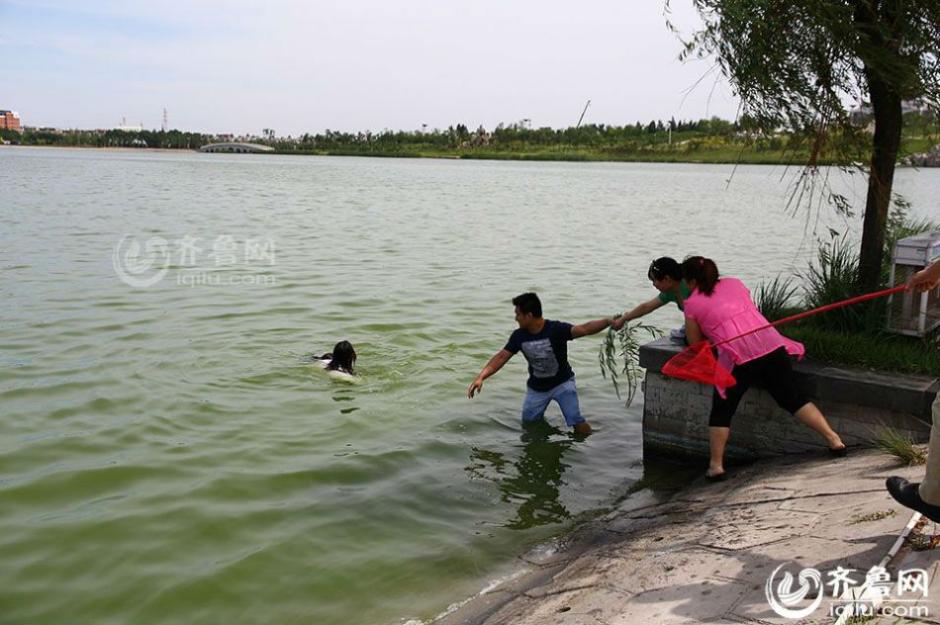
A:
[167,453]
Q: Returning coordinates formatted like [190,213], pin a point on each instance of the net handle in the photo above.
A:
[815,311]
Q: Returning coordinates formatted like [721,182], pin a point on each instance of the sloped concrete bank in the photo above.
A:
[705,554]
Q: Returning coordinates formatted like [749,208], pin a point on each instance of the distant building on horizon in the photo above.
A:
[862,113]
[10,120]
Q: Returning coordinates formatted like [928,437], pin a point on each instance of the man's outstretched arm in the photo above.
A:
[495,364]
[591,327]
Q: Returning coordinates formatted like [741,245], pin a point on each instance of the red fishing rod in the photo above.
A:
[815,311]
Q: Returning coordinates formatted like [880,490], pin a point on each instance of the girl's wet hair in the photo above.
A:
[703,270]
[664,267]
[343,357]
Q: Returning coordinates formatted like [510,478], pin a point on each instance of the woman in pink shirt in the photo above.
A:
[720,309]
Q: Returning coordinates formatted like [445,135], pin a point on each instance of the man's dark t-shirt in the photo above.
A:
[546,352]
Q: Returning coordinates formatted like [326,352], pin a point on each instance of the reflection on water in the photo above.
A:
[345,394]
[532,481]
[531,476]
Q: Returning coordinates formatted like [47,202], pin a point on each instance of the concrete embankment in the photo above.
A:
[858,404]
[706,553]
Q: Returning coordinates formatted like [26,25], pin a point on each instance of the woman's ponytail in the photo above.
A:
[703,270]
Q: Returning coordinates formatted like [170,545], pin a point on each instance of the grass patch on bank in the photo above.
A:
[896,444]
[884,352]
[732,155]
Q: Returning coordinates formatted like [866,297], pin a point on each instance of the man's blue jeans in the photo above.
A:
[566,394]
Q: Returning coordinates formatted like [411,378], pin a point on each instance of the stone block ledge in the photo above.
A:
[857,403]
[898,392]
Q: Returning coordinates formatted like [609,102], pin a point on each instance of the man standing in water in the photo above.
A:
[544,343]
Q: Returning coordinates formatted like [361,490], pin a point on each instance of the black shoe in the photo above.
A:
[905,493]
[839,452]
[717,477]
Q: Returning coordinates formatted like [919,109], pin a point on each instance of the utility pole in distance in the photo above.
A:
[580,119]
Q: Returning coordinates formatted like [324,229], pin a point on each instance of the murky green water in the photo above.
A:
[167,455]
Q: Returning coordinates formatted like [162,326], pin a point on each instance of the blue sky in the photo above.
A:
[240,66]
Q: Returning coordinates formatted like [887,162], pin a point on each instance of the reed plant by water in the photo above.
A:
[833,278]
[777,299]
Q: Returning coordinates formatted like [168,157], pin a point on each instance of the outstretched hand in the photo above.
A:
[924,280]
[618,323]
[475,387]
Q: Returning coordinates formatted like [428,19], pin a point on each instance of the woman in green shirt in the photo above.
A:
[666,275]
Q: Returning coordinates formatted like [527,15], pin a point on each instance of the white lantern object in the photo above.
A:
[912,313]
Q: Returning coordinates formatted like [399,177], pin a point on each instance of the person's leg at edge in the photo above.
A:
[812,417]
[719,420]
[930,488]
[923,497]
[566,394]
[717,440]
[777,373]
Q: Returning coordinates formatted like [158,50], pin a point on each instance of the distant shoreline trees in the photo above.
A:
[706,140]
[455,136]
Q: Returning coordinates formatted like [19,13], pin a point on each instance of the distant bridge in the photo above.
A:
[240,148]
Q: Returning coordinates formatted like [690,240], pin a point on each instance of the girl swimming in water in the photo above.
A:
[342,360]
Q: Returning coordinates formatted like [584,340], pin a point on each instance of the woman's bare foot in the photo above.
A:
[714,470]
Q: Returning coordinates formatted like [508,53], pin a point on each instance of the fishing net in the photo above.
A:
[697,363]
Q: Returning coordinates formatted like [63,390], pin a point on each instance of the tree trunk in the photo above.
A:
[886,107]
[877,23]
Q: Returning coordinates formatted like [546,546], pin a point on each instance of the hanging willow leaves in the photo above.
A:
[796,65]
[620,356]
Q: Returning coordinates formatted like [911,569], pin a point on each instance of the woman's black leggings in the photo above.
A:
[772,372]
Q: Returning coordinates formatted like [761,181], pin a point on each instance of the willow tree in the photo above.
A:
[796,63]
